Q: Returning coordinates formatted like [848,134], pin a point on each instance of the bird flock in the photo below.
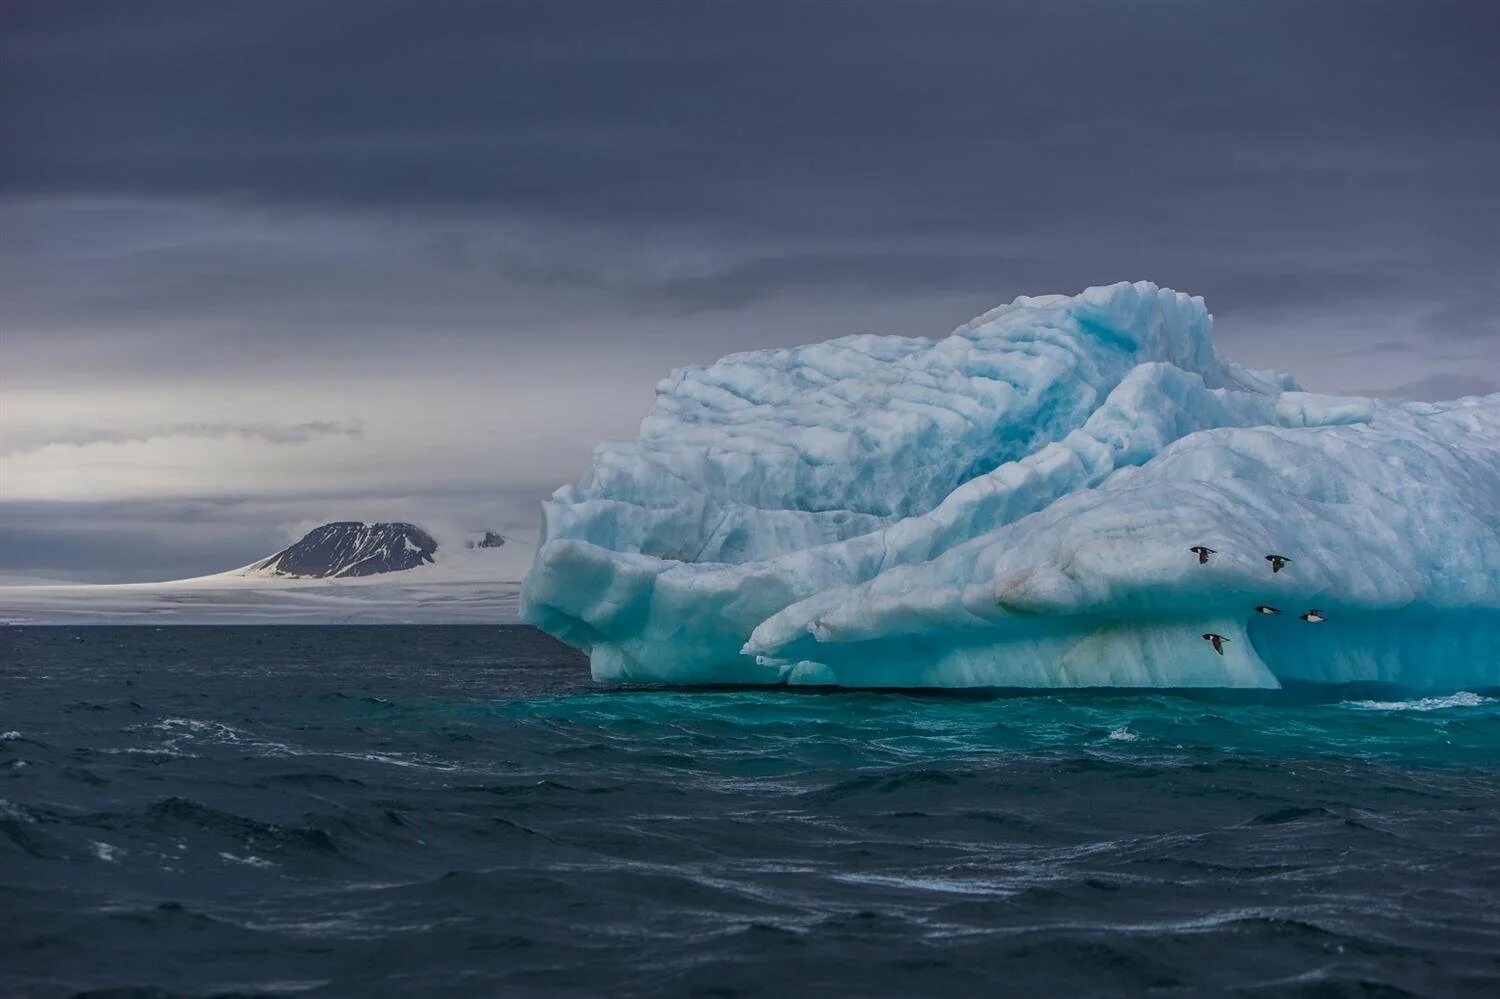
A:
[1278,562]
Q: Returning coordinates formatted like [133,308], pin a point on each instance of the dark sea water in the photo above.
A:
[455,811]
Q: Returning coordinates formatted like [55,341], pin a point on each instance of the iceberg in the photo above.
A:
[1013,506]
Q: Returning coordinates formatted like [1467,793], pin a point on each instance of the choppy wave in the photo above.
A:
[458,811]
[1462,699]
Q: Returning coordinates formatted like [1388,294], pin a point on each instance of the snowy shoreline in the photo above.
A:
[462,586]
[312,601]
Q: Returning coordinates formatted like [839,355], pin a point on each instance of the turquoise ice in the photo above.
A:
[1012,505]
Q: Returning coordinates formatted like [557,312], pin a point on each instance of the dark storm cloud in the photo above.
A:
[287,197]
[1158,133]
[855,116]
[115,542]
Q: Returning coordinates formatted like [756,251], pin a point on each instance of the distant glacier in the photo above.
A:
[345,572]
[1014,505]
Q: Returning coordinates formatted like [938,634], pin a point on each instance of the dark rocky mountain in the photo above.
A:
[491,539]
[350,548]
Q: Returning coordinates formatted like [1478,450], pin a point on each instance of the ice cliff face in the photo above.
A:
[1013,506]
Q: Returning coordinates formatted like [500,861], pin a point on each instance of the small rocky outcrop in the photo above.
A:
[350,548]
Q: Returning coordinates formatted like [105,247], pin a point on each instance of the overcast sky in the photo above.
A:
[266,264]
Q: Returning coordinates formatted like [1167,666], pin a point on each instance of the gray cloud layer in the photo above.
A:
[255,214]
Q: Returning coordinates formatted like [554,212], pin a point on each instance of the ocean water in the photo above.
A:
[456,811]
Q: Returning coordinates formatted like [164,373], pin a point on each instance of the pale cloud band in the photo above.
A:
[12,442]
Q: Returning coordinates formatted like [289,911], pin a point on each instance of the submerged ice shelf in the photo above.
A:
[1013,505]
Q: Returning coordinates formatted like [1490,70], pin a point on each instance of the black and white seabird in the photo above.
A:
[1278,562]
[1217,641]
[1266,609]
[1203,552]
[1313,616]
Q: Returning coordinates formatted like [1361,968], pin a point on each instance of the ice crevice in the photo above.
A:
[1012,506]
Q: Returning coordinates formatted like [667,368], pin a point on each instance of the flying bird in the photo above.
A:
[1313,617]
[1266,609]
[1278,562]
[1217,641]
[1202,552]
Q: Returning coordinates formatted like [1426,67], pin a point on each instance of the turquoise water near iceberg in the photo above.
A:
[460,811]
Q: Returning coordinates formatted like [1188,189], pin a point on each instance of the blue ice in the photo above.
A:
[1012,506]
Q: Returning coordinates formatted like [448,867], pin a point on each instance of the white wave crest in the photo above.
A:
[1462,699]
